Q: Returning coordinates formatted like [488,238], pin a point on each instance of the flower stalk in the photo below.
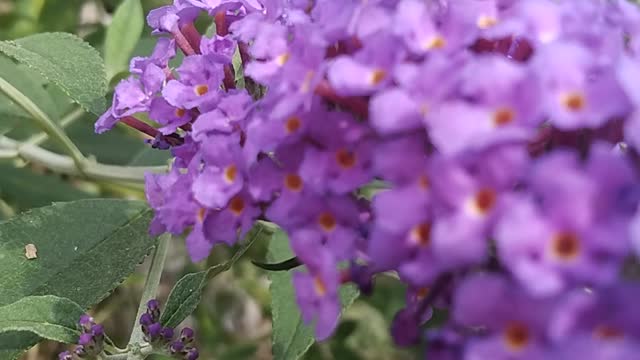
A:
[149,292]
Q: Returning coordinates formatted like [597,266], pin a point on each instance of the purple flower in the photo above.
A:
[369,70]
[170,117]
[602,314]
[132,95]
[417,26]
[224,175]
[168,19]
[510,322]
[565,242]
[497,140]
[200,78]
[317,290]
[577,91]
[163,52]
[227,117]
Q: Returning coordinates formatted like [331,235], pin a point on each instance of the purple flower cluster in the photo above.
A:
[90,343]
[163,337]
[506,135]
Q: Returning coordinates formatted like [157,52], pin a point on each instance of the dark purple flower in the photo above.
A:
[167,333]
[192,354]
[176,347]
[186,335]
[405,328]
[146,319]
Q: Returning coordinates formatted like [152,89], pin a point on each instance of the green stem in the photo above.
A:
[145,351]
[65,165]
[149,292]
[44,122]
[6,210]
[8,154]
[67,120]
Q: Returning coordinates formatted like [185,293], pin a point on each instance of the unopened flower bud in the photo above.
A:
[65,356]
[192,354]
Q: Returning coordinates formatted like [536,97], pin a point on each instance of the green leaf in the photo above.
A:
[67,61]
[122,36]
[12,344]
[149,156]
[291,337]
[84,250]
[50,317]
[185,296]
[25,189]
[11,114]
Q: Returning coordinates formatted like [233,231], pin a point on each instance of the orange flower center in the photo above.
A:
[292,124]
[201,89]
[200,214]
[516,336]
[346,159]
[605,332]
[423,182]
[574,101]
[421,234]
[282,59]
[565,246]
[236,205]
[180,112]
[293,182]
[319,286]
[327,222]
[485,21]
[377,76]
[422,293]
[484,201]
[436,42]
[230,173]
[503,116]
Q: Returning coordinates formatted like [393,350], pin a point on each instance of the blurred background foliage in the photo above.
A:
[233,320]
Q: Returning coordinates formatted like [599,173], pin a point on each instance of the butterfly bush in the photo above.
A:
[501,136]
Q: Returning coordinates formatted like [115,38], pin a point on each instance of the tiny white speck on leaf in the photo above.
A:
[30,251]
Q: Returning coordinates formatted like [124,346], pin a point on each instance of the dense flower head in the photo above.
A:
[502,135]
[163,338]
[90,342]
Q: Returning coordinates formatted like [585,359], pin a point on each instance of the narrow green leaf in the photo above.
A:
[291,337]
[185,296]
[122,36]
[84,250]
[238,69]
[281,266]
[67,61]
[50,317]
